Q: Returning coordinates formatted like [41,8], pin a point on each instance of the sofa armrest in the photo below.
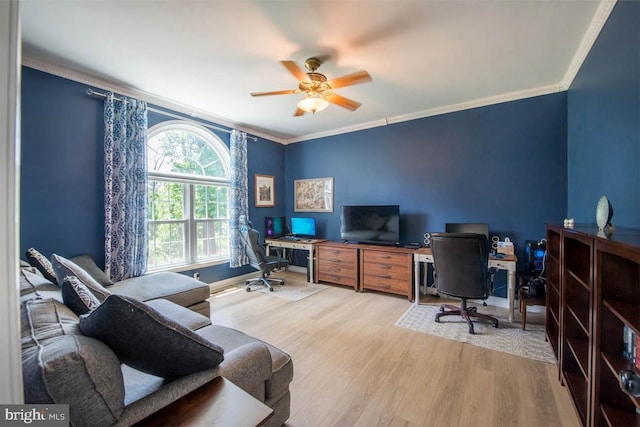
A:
[248,367]
[179,314]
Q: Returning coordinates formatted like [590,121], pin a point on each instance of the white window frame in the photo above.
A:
[189,182]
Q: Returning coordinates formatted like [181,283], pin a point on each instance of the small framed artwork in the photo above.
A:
[313,195]
[265,191]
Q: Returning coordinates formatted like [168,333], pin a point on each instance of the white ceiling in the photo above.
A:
[425,57]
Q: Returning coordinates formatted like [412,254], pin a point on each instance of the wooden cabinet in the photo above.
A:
[617,287]
[553,297]
[338,263]
[577,297]
[381,268]
[599,283]
[387,270]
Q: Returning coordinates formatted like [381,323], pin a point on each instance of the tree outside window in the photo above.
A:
[188,191]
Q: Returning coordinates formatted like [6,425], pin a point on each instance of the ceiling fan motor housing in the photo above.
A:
[317,83]
[312,64]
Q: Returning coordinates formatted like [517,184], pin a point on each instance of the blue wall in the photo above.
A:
[504,165]
[61,195]
[61,182]
[604,123]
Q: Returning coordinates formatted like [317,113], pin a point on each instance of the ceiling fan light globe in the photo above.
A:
[312,104]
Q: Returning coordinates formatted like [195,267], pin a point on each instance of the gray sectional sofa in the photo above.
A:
[118,356]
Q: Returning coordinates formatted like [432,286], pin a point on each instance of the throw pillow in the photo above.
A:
[64,267]
[89,265]
[45,319]
[79,371]
[39,261]
[148,341]
[33,285]
[77,297]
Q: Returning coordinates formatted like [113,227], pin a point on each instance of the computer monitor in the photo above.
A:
[303,227]
[467,227]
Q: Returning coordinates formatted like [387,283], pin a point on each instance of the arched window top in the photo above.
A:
[178,148]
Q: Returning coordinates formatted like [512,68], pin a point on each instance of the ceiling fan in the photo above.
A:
[318,90]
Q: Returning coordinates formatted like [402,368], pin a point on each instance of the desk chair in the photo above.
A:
[258,259]
[460,263]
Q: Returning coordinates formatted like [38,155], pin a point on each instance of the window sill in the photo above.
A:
[187,267]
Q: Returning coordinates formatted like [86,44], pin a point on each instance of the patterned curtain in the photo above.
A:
[125,182]
[239,195]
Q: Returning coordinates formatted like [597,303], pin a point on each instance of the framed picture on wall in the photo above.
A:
[313,195]
[265,191]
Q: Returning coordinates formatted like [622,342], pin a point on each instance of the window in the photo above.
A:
[189,170]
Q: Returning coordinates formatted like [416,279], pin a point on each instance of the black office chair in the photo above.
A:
[258,258]
[461,269]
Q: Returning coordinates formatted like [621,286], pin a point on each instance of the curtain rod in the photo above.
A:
[92,92]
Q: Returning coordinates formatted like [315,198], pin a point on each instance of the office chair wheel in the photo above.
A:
[270,289]
[471,330]
[248,289]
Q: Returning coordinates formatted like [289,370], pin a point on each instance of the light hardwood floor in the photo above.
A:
[354,368]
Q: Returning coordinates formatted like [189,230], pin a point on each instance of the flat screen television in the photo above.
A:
[303,227]
[467,227]
[371,224]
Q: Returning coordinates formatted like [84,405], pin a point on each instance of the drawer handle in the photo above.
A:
[334,260]
[384,276]
[384,256]
[384,266]
[384,286]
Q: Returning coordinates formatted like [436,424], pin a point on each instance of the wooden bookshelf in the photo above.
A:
[554,301]
[617,300]
[593,291]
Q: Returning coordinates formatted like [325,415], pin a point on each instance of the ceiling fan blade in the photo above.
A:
[297,72]
[299,112]
[351,79]
[347,103]
[277,92]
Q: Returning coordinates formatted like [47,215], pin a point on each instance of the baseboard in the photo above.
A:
[504,302]
[240,280]
[497,301]
[232,281]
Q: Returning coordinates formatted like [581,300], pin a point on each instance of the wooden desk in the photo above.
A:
[508,263]
[304,244]
[217,403]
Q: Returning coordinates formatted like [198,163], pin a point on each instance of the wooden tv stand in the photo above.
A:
[365,266]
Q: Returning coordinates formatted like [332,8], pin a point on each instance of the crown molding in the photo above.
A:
[599,19]
[483,102]
[348,129]
[156,100]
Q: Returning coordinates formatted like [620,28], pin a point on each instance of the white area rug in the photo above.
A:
[292,290]
[508,337]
